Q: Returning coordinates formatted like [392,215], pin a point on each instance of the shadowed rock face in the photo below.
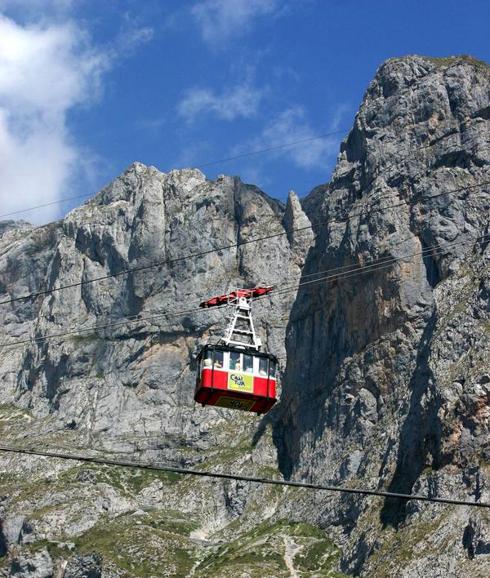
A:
[385,375]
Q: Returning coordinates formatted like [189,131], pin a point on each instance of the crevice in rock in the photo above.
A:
[462,159]
[432,271]
[418,436]
[54,372]
[3,542]
[482,113]
[354,563]
[355,145]
[473,540]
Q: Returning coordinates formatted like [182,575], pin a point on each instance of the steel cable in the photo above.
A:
[225,247]
[362,269]
[239,477]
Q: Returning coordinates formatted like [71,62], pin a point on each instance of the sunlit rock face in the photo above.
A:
[385,372]
[133,374]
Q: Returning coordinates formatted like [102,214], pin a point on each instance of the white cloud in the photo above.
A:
[240,101]
[46,69]
[193,154]
[131,35]
[291,126]
[37,9]
[44,72]
[220,20]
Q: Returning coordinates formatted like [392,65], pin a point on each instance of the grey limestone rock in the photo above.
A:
[38,565]
[396,356]
[84,567]
[12,529]
[384,357]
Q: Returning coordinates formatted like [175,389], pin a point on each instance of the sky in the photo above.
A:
[88,87]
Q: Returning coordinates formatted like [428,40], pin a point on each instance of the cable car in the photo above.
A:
[234,373]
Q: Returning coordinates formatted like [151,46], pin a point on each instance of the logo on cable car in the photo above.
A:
[241,382]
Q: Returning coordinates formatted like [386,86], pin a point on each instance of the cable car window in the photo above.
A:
[235,361]
[207,362]
[248,363]
[218,359]
[272,369]
[263,366]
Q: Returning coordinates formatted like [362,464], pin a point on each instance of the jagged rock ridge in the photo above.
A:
[385,376]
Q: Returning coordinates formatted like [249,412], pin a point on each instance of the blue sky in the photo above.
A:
[87,87]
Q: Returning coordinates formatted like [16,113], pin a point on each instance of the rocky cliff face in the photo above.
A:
[394,364]
[385,375]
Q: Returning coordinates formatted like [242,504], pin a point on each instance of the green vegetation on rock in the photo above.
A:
[143,544]
[274,550]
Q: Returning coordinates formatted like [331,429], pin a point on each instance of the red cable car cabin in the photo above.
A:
[236,378]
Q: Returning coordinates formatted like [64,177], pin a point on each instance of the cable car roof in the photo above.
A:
[234,295]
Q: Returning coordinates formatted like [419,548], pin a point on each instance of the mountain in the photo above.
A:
[385,370]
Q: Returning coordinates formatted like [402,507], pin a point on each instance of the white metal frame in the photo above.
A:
[241,331]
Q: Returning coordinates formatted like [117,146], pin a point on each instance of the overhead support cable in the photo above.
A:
[239,477]
[266,150]
[379,265]
[167,262]
[42,206]
[199,166]
[272,148]
[380,169]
